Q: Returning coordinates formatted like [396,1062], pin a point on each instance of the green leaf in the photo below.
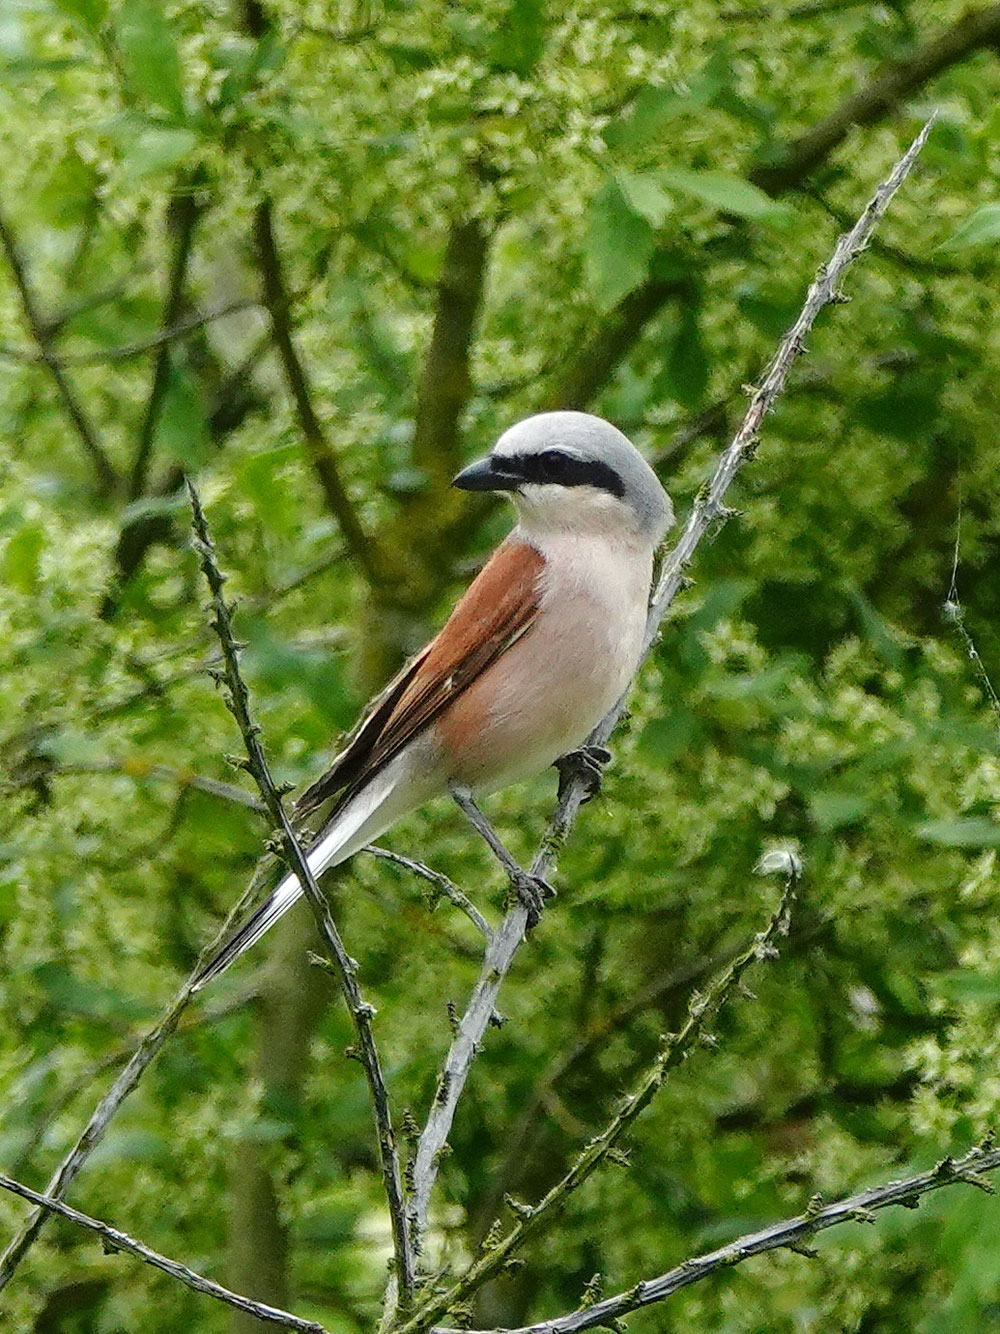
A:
[834,808]
[645,196]
[21,556]
[149,54]
[981,227]
[966,985]
[157,150]
[647,118]
[520,40]
[617,248]
[91,13]
[962,832]
[726,192]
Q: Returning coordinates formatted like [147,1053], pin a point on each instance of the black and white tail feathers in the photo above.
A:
[367,814]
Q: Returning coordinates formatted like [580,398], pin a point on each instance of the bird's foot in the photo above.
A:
[587,763]
[531,891]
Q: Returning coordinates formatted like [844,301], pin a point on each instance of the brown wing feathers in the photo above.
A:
[499,606]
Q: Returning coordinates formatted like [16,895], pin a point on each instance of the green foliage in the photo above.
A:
[806,690]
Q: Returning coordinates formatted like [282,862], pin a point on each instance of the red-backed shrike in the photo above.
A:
[544,642]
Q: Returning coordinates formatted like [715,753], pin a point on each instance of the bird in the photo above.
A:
[545,640]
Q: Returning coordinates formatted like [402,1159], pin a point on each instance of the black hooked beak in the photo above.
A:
[488,474]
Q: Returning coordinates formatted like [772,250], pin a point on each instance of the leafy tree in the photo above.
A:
[318,257]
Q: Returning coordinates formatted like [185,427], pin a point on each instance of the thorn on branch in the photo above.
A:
[517,1207]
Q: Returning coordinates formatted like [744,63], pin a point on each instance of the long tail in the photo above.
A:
[350,828]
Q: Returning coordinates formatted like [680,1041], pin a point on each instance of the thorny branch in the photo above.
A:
[707,509]
[674,1048]
[238,702]
[794,1233]
[113,1240]
[123,1085]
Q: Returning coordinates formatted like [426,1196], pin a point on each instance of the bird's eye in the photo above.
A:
[552,465]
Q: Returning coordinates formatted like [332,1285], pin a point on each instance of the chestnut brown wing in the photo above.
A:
[500,605]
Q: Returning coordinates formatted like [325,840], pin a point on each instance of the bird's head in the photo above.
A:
[572,471]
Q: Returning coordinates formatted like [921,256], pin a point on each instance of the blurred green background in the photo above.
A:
[319,255]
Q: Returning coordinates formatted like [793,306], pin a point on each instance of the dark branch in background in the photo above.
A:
[795,1233]
[674,1048]
[708,509]
[278,302]
[238,701]
[593,366]
[43,334]
[123,1085]
[886,91]
[233,401]
[113,1240]
[89,301]
[444,383]
[182,217]
[591,369]
[594,1036]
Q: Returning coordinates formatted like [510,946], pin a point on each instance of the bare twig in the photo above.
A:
[42,334]
[509,935]
[795,1233]
[954,612]
[445,887]
[278,301]
[113,1240]
[674,1048]
[123,1085]
[238,701]
[823,292]
[128,351]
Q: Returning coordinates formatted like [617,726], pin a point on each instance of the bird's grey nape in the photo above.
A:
[594,440]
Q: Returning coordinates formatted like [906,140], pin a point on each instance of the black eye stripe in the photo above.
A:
[556,467]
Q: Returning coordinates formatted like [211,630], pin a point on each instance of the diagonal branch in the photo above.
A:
[278,301]
[510,934]
[886,90]
[238,702]
[128,351]
[674,1048]
[42,334]
[113,1240]
[123,1085]
[794,1233]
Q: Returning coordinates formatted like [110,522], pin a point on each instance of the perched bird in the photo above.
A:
[544,642]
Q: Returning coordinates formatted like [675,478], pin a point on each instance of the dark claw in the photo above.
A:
[532,891]
[587,763]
